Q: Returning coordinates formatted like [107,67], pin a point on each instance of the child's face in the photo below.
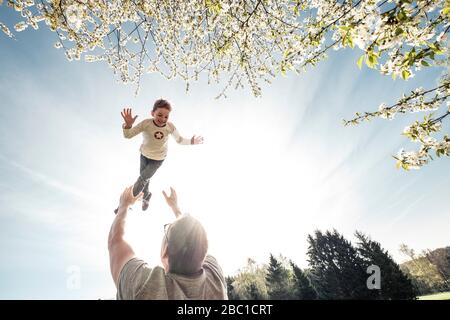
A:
[161,115]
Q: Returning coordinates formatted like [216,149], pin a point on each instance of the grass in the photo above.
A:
[436,296]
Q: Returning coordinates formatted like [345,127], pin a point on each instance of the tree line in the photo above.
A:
[338,269]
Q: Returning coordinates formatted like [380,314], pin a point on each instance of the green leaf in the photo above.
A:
[405,74]
[350,42]
[401,16]
[284,67]
[360,61]
[371,60]
[345,40]
[436,48]
[214,6]
[446,11]
[346,37]
[398,31]
[425,63]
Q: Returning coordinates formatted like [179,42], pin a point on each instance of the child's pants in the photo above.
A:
[147,170]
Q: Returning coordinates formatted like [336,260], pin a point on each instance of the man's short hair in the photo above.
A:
[161,103]
[187,245]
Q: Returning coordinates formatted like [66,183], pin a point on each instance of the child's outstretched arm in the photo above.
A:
[128,130]
[196,140]
[181,140]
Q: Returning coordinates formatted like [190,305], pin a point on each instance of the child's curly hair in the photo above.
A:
[161,103]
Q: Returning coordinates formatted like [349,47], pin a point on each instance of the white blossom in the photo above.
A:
[74,15]
[20,26]
[245,43]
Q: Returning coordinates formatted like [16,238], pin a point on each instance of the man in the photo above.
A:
[187,272]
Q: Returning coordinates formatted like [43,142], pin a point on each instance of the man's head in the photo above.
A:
[184,246]
[160,112]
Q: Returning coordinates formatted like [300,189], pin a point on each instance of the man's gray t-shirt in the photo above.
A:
[138,281]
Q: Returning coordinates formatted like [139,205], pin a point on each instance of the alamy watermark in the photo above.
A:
[374,281]
[73,281]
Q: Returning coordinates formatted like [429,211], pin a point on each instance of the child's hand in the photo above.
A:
[127,199]
[128,118]
[196,140]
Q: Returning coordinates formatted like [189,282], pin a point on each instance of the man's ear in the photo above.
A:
[164,252]
[165,258]
[153,113]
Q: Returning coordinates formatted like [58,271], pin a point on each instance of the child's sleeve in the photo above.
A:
[176,135]
[130,133]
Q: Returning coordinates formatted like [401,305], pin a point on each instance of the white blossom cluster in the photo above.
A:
[415,159]
[418,131]
[245,41]
[248,42]
[411,159]
[402,39]
[421,132]
[418,100]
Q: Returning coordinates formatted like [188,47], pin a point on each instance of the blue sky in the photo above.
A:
[272,169]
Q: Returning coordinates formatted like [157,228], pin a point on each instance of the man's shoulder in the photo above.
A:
[137,264]
[213,266]
[133,265]
[215,275]
[136,276]
[209,259]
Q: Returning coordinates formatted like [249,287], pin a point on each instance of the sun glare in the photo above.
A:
[255,193]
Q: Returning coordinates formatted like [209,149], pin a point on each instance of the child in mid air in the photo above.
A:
[155,131]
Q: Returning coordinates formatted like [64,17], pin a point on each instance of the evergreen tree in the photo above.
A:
[394,283]
[232,295]
[277,280]
[338,271]
[302,287]
[253,292]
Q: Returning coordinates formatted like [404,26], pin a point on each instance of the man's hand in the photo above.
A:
[128,118]
[172,202]
[196,140]
[127,199]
